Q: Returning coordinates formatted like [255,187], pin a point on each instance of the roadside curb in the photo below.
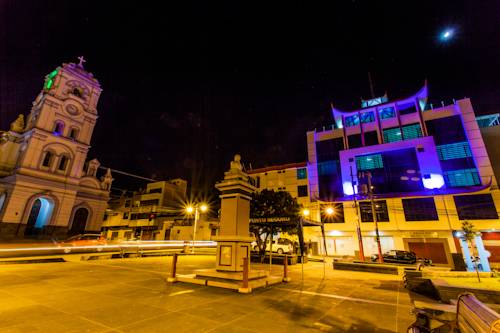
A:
[31,261]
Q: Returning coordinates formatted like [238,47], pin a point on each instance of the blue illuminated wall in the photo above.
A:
[393,170]
[398,167]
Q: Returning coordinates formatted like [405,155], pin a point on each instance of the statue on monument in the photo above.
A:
[235,164]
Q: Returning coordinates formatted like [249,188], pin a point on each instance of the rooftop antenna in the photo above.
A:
[371,84]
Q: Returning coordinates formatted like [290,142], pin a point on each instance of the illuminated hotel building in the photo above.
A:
[430,171]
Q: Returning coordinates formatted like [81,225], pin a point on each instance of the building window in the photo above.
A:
[63,163]
[453,151]
[446,130]
[351,121]
[302,173]
[47,159]
[125,216]
[392,135]
[328,168]
[371,138]
[73,134]
[140,216]
[367,117]
[151,202]
[407,109]
[354,141]
[464,177]
[155,190]
[336,217]
[302,191]
[387,113]
[421,209]
[476,207]
[412,131]
[392,170]
[365,209]
[58,128]
[369,162]
[77,92]
[327,150]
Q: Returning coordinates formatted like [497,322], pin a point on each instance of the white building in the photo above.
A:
[46,187]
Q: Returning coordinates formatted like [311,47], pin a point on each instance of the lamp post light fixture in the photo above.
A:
[196,208]
[329,211]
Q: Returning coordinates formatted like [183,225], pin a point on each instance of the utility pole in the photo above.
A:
[374,215]
[358,222]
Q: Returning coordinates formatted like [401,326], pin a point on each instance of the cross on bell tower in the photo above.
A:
[82,60]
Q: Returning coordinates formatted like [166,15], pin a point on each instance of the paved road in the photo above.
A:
[131,295]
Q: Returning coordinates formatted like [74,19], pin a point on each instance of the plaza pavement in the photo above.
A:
[132,295]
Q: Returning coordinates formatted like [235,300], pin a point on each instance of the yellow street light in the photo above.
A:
[196,209]
[306,212]
[329,211]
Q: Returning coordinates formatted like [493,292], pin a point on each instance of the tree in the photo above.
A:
[469,235]
[268,204]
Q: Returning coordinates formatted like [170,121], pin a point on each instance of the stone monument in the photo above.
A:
[234,240]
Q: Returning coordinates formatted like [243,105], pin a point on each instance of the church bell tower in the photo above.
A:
[60,125]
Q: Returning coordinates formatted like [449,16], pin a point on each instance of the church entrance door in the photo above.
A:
[79,222]
[40,215]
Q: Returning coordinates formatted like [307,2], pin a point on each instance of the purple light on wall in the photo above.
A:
[434,181]
[347,188]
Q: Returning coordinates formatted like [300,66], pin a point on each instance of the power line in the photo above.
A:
[128,174]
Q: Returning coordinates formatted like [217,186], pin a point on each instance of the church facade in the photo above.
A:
[47,188]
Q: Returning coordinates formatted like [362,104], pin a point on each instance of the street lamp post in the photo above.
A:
[196,208]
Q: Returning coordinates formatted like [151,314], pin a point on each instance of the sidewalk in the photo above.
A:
[132,295]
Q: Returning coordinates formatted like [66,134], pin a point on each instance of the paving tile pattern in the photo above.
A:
[132,295]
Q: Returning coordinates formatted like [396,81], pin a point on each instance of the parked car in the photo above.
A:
[90,240]
[401,257]
[280,246]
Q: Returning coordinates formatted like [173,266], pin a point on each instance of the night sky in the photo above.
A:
[188,86]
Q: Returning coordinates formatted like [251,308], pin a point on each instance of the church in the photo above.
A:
[47,188]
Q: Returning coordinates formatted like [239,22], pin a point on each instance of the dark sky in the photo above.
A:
[188,86]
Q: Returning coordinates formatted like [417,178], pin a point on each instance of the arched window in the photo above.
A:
[58,128]
[63,163]
[47,159]
[77,92]
[73,133]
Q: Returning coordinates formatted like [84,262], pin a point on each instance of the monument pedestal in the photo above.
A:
[230,252]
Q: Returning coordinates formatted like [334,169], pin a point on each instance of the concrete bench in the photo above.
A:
[475,317]
[366,267]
